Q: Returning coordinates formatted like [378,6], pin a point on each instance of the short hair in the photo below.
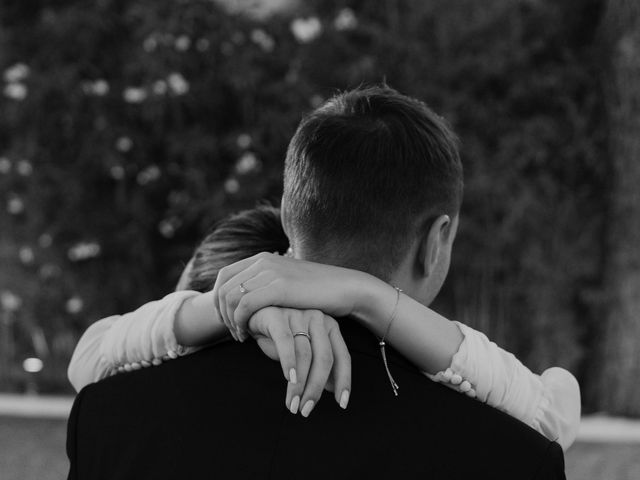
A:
[235,238]
[365,173]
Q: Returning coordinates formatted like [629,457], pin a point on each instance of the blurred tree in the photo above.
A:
[128,127]
[615,388]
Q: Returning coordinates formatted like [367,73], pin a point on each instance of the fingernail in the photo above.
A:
[293,378]
[295,403]
[306,410]
[344,399]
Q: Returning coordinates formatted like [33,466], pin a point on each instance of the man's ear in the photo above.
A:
[285,227]
[431,244]
[283,220]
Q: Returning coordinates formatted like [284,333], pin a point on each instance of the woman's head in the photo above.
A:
[232,239]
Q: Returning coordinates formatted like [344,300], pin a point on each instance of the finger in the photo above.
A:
[257,324]
[218,296]
[341,372]
[221,278]
[234,336]
[230,294]
[280,332]
[223,294]
[231,332]
[250,284]
[303,363]
[256,299]
[321,364]
[231,271]
[304,357]
[303,360]
[229,311]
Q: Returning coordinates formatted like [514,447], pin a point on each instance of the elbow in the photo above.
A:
[74,374]
[565,405]
[87,365]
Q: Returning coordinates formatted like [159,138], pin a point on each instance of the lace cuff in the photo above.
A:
[145,337]
[558,413]
[454,377]
[549,403]
[495,376]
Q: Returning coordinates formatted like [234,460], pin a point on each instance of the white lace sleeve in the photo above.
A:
[549,403]
[127,342]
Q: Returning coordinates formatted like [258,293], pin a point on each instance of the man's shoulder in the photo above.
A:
[231,395]
[462,432]
[229,359]
[194,414]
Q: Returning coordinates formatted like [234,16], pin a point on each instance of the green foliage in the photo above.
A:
[143,122]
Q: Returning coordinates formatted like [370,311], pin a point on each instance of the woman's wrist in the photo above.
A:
[197,322]
[374,300]
[426,338]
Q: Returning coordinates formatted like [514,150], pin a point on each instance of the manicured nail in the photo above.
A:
[306,410]
[344,399]
[295,403]
[293,378]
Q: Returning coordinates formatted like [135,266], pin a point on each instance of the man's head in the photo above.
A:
[373,181]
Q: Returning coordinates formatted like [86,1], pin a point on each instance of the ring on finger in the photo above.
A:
[303,334]
[243,289]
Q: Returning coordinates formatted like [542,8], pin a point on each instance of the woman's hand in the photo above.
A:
[266,279]
[311,351]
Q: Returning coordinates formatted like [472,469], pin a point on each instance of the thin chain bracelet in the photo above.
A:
[382,343]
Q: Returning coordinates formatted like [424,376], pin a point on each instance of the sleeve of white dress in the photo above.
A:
[549,403]
[127,342]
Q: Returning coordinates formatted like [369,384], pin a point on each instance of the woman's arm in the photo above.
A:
[425,337]
[182,321]
[470,363]
[448,351]
[549,403]
[428,339]
[157,331]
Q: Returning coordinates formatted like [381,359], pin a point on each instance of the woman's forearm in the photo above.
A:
[426,338]
[150,334]
[197,322]
[549,403]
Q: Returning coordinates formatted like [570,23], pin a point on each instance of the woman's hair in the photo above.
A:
[234,238]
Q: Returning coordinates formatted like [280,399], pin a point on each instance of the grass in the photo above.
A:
[34,449]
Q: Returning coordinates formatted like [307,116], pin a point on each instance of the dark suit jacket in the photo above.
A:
[220,413]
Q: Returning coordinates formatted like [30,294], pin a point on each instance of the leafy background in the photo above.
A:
[127,128]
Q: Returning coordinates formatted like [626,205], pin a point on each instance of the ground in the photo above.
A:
[33,449]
